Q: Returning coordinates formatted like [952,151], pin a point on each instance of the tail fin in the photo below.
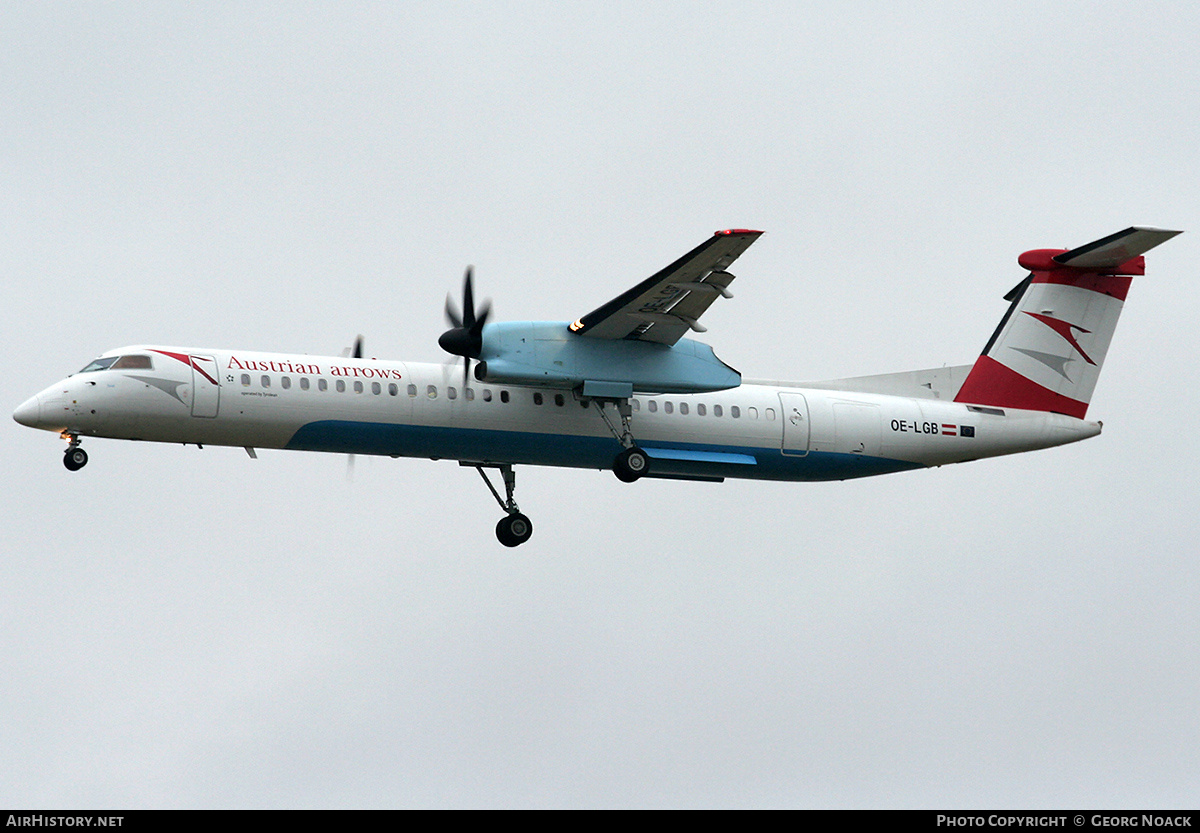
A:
[1047,352]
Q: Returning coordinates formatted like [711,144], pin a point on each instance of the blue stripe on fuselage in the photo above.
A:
[528,448]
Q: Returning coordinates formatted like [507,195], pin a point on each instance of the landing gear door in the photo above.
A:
[206,387]
[795,424]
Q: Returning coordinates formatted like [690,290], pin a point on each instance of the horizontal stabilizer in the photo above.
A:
[1114,250]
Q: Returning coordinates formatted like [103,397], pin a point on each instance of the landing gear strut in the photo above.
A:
[75,458]
[632,462]
[514,528]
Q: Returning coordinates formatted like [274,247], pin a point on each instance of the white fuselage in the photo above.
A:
[318,403]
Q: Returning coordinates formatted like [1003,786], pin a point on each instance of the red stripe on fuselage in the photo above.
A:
[186,359]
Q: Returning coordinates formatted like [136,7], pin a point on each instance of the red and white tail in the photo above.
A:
[1047,352]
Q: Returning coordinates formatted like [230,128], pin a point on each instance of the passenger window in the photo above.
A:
[304,383]
[504,396]
[770,412]
[537,398]
[558,399]
[358,387]
[393,389]
[340,385]
[653,406]
[412,390]
[669,407]
[452,393]
[683,408]
[700,410]
[752,413]
[245,380]
[637,406]
[431,391]
[266,381]
[376,388]
[322,384]
[717,410]
[735,411]
[286,382]
[469,393]
[487,394]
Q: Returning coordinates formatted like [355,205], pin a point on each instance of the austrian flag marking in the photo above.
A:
[949,430]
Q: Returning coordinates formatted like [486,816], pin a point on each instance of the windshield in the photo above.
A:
[101,363]
[133,363]
[119,363]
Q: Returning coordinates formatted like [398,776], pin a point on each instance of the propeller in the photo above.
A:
[465,336]
[355,352]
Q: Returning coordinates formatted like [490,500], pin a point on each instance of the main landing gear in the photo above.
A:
[514,528]
[632,462]
[75,458]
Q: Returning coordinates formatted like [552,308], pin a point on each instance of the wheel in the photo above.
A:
[514,530]
[631,464]
[75,459]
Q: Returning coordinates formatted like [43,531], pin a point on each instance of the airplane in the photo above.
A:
[622,389]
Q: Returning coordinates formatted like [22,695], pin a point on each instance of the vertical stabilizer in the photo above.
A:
[1047,352]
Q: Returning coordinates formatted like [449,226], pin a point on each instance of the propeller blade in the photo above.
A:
[481,319]
[468,300]
[465,336]
[452,316]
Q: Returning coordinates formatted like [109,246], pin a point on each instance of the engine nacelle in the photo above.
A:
[547,354]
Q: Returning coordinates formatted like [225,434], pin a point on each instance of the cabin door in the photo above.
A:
[206,386]
[795,424]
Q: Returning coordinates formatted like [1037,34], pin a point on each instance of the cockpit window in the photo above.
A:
[101,363]
[133,363]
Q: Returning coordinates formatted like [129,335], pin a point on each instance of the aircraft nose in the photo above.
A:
[29,412]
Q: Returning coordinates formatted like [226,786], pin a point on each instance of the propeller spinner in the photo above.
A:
[465,336]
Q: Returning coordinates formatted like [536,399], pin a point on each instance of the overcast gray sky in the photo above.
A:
[186,628]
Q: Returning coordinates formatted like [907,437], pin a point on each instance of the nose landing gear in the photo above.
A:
[75,458]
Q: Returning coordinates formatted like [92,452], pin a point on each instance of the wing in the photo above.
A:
[666,305]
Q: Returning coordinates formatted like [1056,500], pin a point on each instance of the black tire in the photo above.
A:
[631,464]
[514,530]
[75,459]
